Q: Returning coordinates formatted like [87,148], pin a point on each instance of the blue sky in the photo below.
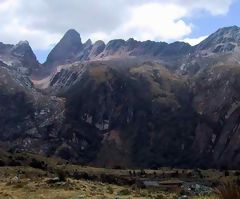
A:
[205,23]
[44,22]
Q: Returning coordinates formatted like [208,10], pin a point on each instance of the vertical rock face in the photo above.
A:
[66,50]
[19,56]
[217,101]
[24,52]
[97,48]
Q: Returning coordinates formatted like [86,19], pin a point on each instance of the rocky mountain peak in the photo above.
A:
[223,40]
[19,56]
[21,48]
[99,42]
[97,48]
[23,43]
[67,47]
[71,36]
[88,42]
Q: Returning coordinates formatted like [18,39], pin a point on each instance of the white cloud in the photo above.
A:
[39,39]
[155,21]
[43,22]
[98,36]
[194,41]
[215,7]
[13,29]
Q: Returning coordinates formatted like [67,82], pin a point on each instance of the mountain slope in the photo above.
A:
[25,113]
[127,103]
[147,116]
[217,99]
[131,109]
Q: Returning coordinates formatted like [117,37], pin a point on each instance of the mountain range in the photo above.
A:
[125,103]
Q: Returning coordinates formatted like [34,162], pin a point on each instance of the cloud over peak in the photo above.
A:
[43,22]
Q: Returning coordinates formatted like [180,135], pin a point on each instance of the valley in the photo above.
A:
[32,176]
[125,119]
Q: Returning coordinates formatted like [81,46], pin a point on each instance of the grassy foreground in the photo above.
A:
[29,176]
[33,185]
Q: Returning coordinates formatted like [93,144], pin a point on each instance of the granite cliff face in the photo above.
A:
[66,50]
[19,56]
[127,103]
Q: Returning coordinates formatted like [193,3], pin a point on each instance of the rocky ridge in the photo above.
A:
[19,56]
[222,47]
[129,103]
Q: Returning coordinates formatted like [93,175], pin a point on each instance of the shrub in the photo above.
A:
[110,179]
[117,167]
[160,197]
[124,192]
[238,181]
[134,173]
[37,164]
[237,173]
[174,174]
[228,191]
[142,172]
[130,173]
[226,173]
[14,163]
[110,190]
[61,174]
[2,163]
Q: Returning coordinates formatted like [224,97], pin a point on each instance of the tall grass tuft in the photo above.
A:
[228,191]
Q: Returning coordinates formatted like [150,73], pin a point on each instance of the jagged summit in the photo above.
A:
[67,47]
[178,55]
[19,56]
[223,40]
[23,48]
[88,42]
[71,49]
[71,35]
[20,43]
[228,28]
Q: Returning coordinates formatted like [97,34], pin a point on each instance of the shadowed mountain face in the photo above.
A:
[147,116]
[128,103]
[141,112]
[66,49]
[19,56]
